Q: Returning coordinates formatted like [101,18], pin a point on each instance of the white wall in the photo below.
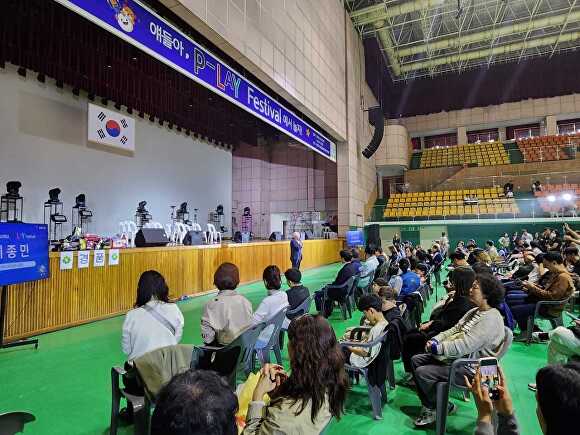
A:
[43,144]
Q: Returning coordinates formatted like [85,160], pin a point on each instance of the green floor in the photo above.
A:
[66,382]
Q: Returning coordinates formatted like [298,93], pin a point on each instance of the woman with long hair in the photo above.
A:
[303,401]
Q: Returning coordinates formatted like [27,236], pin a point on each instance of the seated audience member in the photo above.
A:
[482,257]
[492,252]
[458,259]
[554,243]
[228,313]
[572,259]
[526,237]
[297,293]
[154,322]
[347,271]
[504,241]
[367,272]
[356,259]
[421,270]
[196,402]
[480,333]
[558,287]
[389,297]
[443,318]
[383,267]
[529,270]
[564,343]
[372,308]
[410,280]
[395,280]
[535,247]
[381,257]
[304,401]
[271,305]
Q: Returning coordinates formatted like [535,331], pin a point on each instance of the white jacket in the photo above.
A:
[143,333]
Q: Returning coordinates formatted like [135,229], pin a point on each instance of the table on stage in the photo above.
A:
[76,296]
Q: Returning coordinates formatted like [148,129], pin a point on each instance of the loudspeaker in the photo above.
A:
[276,236]
[373,235]
[194,238]
[237,237]
[377,120]
[147,237]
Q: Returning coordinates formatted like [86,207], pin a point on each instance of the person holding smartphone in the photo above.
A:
[304,401]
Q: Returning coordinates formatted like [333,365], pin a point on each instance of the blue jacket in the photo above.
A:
[411,283]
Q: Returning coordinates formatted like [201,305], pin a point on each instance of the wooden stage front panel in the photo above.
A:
[72,297]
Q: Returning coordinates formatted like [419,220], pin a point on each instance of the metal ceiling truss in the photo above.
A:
[428,37]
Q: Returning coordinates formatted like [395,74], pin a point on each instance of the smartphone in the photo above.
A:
[490,376]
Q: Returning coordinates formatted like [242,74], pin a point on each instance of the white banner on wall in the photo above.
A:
[66,260]
[99,260]
[83,259]
[113,257]
[111,128]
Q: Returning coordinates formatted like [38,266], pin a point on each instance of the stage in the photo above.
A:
[76,296]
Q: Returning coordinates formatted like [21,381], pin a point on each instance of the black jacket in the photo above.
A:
[449,315]
[297,295]
[348,270]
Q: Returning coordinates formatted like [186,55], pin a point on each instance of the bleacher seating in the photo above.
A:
[547,148]
[490,201]
[483,154]
[557,190]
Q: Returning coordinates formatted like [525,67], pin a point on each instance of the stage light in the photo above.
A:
[80,200]
[170,125]
[104,101]
[129,111]
[21,71]
[151,118]
[41,78]
[187,132]
[178,128]
[53,195]
[117,106]
[91,97]
[160,121]
[567,197]
[76,91]
[551,198]
[13,189]
[141,114]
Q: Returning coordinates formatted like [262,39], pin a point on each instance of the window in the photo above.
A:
[571,126]
[442,140]
[416,142]
[483,136]
[523,133]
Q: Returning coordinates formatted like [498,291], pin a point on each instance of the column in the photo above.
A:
[502,134]
[461,135]
[551,125]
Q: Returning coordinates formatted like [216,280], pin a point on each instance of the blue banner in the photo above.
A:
[23,253]
[144,29]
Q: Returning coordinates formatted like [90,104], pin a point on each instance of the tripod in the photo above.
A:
[3,305]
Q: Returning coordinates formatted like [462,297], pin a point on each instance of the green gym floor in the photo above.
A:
[66,382]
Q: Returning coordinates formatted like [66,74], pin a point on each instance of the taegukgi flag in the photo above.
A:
[111,128]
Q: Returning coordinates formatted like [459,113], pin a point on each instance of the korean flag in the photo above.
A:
[111,128]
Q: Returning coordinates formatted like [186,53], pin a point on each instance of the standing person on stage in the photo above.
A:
[295,250]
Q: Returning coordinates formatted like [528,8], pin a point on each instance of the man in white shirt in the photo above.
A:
[371,305]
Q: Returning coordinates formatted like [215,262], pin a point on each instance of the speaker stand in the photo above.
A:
[2,318]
